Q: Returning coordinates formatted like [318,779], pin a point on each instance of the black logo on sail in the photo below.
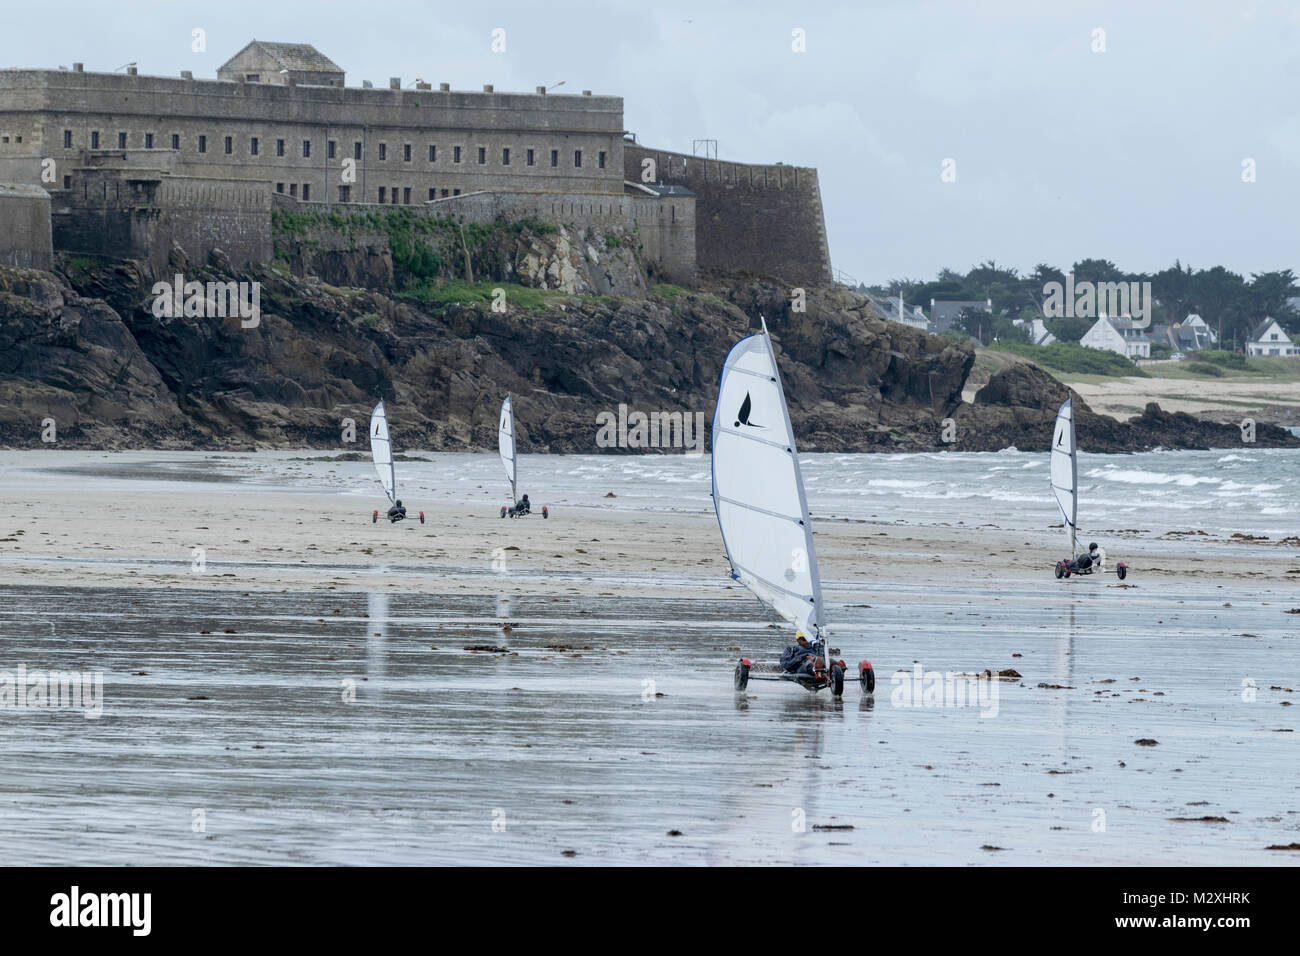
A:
[742,417]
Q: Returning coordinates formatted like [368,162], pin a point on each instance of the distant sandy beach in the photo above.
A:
[254,539]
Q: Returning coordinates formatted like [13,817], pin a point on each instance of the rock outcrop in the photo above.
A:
[86,349]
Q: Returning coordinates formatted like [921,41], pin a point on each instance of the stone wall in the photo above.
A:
[26,235]
[762,219]
[142,214]
[665,226]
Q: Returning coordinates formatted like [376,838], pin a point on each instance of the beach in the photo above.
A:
[314,687]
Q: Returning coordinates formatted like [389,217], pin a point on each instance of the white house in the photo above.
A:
[1267,338]
[1038,334]
[1205,336]
[893,309]
[1118,335]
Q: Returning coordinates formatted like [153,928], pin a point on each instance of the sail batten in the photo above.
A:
[381,449]
[506,444]
[758,492]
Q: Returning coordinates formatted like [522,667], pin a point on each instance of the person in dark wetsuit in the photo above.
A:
[801,658]
[1083,562]
[396,512]
[522,507]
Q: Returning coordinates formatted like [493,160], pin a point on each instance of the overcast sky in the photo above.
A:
[1133,154]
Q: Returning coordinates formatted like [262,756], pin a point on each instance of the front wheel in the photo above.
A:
[837,680]
[503,511]
[1122,571]
[741,677]
[1060,571]
[545,512]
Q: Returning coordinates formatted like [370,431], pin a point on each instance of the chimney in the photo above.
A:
[444,87]
[586,92]
[187,75]
[487,87]
[132,71]
[78,67]
[394,82]
[424,86]
[541,91]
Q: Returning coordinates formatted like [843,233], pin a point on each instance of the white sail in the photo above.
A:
[382,450]
[1065,470]
[758,491]
[506,440]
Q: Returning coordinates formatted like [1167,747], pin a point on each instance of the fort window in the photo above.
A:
[94,139]
[444,192]
[382,194]
[148,140]
[203,144]
[252,78]
[433,154]
[306,147]
[555,158]
[455,192]
[279,187]
[345,194]
[406,196]
[293,190]
[230,145]
[306,192]
[252,146]
[528,159]
[121,140]
[505,156]
[279,147]
[383,151]
[406,153]
[330,149]
[67,182]
[433,194]
[67,139]
[176,140]
[455,154]
[356,150]
[600,159]
[577,158]
[394,195]
[482,155]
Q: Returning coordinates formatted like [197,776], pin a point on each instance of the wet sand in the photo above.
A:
[226,691]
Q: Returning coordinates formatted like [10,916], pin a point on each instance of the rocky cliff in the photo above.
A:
[84,347]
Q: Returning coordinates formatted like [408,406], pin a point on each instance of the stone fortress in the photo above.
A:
[127,165]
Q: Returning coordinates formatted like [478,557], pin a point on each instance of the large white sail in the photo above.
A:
[1065,470]
[758,491]
[382,450]
[506,440]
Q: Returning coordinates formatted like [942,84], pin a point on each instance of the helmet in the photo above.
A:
[1093,546]
[399,502]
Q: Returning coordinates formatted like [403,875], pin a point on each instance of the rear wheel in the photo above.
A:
[545,512]
[866,677]
[837,680]
[1122,571]
[742,676]
[503,511]
[374,517]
